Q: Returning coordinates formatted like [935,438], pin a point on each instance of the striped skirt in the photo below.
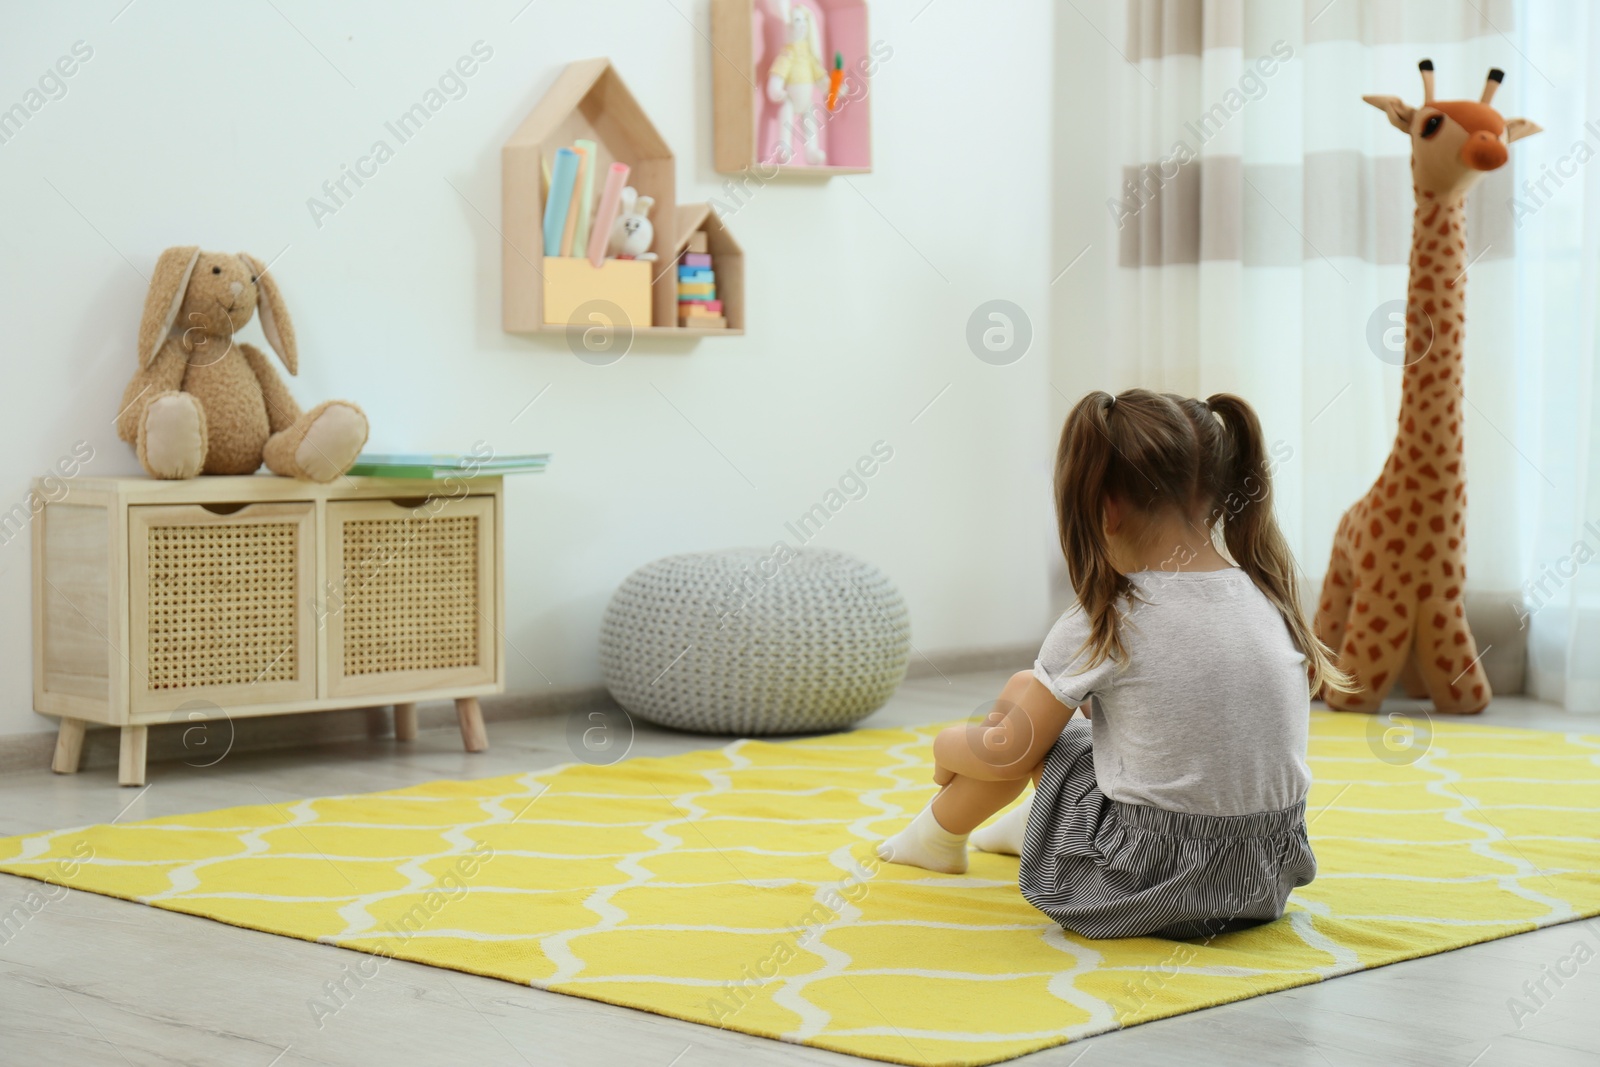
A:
[1103,868]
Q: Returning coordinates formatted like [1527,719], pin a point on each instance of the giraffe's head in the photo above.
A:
[1453,142]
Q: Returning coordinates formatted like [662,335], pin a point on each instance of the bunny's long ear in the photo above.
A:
[275,322]
[167,285]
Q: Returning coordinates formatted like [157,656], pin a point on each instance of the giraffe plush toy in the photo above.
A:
[1391,604]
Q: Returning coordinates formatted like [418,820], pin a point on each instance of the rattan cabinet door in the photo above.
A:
[220,606]
[409,604]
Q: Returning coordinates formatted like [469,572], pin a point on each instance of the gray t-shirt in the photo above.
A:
[1209,712]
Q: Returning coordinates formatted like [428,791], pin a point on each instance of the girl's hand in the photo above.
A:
[942,775]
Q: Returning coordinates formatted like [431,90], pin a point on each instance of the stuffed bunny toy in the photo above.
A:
[204,403]
[632,233]
[792,82]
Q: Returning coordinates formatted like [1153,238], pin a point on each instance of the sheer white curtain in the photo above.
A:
[1261,238]
[1557,287]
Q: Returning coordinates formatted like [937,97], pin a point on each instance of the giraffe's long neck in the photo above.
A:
[1429,442]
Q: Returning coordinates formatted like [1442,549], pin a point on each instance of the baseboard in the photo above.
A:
[193,742]
[199,742]
[965,660]
[1495,619]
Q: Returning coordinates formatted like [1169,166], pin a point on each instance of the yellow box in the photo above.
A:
[570,282]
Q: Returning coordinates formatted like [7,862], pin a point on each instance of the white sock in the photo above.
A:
[926,844]
[1006,833]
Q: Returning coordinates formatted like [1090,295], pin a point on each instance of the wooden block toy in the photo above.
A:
[703,239]
[703,322]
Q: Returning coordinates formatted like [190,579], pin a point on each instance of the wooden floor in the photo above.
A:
[89,980]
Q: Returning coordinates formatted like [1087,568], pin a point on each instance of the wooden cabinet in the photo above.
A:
[416,597]
[229,597]
[219,606]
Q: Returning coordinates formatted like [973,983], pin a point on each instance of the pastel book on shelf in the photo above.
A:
[578,272]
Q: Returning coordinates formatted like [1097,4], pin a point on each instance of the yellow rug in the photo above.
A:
[737,887]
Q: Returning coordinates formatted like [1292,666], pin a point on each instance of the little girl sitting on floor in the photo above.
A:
[1178,808]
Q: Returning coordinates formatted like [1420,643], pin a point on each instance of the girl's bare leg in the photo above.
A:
[966,803]
[983,768]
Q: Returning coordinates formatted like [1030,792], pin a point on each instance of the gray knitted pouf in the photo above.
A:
[746,641]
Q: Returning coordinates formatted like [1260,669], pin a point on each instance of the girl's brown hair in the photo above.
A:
[1204,460]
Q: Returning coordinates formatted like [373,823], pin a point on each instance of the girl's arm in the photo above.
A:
[1020,731]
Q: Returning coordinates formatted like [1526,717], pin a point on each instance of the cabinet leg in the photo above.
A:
[473,736]
[405,722]
[130,767]
[69,746]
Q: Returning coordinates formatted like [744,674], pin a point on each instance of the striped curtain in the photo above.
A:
[1265,225]
[1263,234]
[1557,292]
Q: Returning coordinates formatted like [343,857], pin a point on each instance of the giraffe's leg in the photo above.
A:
[1411,680]
[1333,607]
[1449,659]
[1377,637]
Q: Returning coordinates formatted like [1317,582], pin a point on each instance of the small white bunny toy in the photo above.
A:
[632,233]
[792,82]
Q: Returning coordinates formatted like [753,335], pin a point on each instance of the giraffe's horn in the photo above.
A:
[1426,66]
[1496,76]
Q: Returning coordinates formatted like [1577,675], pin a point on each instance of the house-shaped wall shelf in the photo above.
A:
[588,101]
[746,36]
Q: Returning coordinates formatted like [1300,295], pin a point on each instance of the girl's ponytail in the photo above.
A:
[1083,471]
[1243,503]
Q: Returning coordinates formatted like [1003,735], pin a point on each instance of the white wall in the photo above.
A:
[213,124]
[1084,237]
